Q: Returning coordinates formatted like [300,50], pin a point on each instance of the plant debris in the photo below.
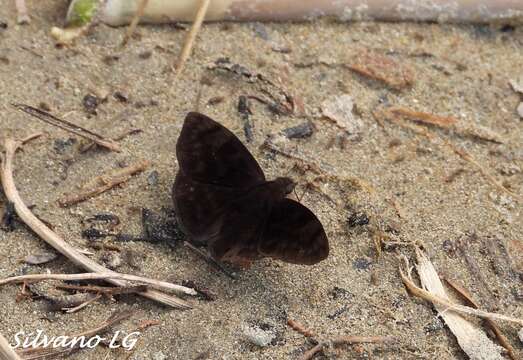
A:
[65,125]
[102,183]
[340,110]
[383,68]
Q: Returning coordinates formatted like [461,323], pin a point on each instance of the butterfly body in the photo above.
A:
[223,200]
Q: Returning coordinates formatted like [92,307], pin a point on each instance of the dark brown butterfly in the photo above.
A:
[222,199]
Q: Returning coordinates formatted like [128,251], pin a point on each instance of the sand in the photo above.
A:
[459,71]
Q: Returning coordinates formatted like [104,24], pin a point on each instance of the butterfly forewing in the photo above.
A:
[209,153]
[199,206]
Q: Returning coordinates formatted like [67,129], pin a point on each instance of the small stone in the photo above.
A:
[509,169]
[44,106]
[40,258]
[145,54]
[152,178]
[258,336]
[260,30]
[303,130]
[517,84]
[111,259]
[62,145]
[520,334]
[90,103]
[359,218]
[361,264]
[520,110]
[121,97]
[159,356]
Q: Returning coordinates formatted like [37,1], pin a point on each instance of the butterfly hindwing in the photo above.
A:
[293,234]
[209,153]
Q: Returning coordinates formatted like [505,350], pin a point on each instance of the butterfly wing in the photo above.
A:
[209,153]
[199,206]
[293,234]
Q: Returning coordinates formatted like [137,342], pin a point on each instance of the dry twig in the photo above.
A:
[108,275]
[70,127]
[344,340]
[296,326]
[448,305]
[136,18]
[53,239]
[103,183]
[191,36]
[105,290]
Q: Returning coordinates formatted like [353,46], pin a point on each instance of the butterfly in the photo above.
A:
[222,200]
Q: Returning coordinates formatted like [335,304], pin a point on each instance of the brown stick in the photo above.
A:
[6,351]
[70,127]
[106,290]
[424,294]
[102,183]
[296,326]
[82,305]
[343,340]
[191,36]
[53,239]
[427,118]
[136,18]
[107,275]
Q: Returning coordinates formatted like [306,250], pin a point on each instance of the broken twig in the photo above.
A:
[191,36]
[53,239]
[70,127]
[344,340]
[158,284]
[103,183]
[446,303]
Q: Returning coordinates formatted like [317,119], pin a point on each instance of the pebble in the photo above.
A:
[257,336]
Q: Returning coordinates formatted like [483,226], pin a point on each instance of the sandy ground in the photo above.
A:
[352,292]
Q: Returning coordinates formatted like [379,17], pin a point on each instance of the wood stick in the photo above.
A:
[343,340]
[53,239]
[191,36]
[137,16]
[424,294]
[106,290]
[6,351]
[68,126]
[102,183]
[108,275]
[82,305]
[298,327]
